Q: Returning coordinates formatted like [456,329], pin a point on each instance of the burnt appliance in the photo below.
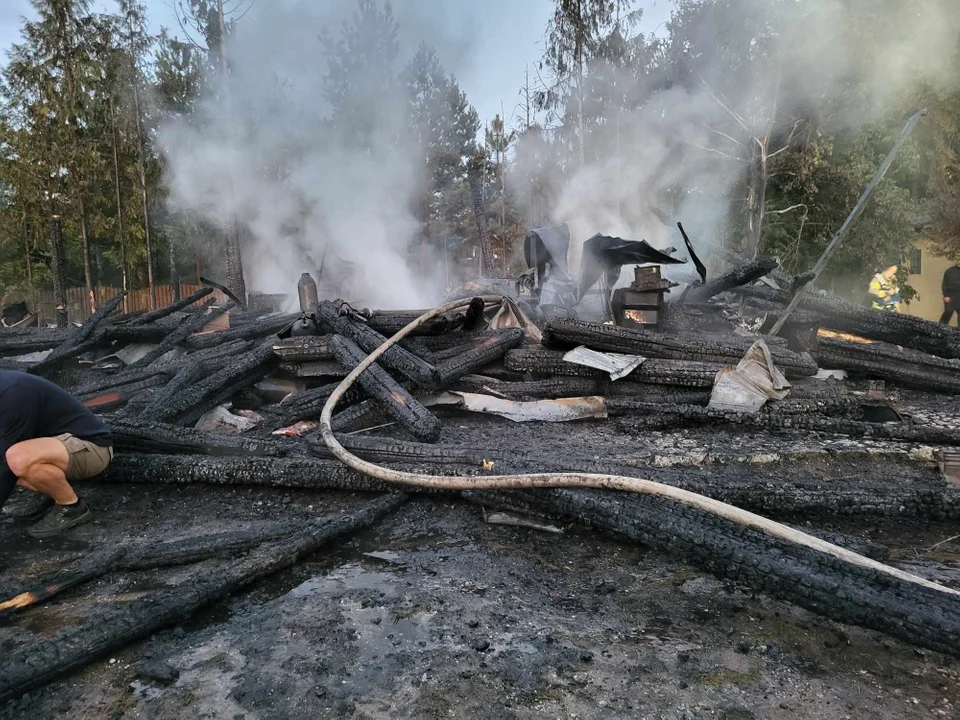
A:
[641,304]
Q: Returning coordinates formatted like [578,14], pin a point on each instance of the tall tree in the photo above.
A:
[46,78]
[443,127]
[208,24]
[573,34]
[361,74]
[137,43]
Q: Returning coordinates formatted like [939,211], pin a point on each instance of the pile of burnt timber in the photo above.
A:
[239,406]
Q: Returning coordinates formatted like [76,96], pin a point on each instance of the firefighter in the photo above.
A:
[884,293]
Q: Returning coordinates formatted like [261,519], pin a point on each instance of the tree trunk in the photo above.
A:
[85,241]
[474,177]
[142,174]
[234,263]
[58,267]
[26,254]
[121,235]
[756,196]
[144,196]
[174,272]
[231,236]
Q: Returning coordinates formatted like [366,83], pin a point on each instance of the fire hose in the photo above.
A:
[579,480]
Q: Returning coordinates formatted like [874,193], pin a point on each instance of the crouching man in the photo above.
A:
[48,440]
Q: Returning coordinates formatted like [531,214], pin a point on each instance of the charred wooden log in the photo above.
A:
[150,332]
[27,340]
[844,407]
[143,436]
[824,584]
[109,400]
[79,337]
[111,382]
[554,387]
[390,323]
[72,649]
[440,343]
[304,349]
[86,569]
[401,405]
[172,308]
[396,358]
[307,405]
[738,276]
[882,360]
[488,350]
[192,402]
[391,450]
[698,348]
[315,369]
[194,324]
[248,331]
[293,472]
[364,414]
[147,556]
[188,374]
[228,350]
[561,387]
[796,418]
[682,373]
[783,498]
[896,328]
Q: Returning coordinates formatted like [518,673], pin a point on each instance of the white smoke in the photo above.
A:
[265,158]
[826,52]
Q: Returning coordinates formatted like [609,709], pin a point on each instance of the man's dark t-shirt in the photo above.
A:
[31,407]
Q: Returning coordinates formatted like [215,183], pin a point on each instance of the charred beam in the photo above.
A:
[488,350]
[172,308]
[741,275]
[699,348]
[396,358]
[401,405]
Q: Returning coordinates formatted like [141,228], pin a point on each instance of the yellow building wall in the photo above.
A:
[929,304]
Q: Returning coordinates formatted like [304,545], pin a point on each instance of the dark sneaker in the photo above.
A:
[60,518]
[28,506]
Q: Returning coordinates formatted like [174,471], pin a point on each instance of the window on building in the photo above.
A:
[916,266]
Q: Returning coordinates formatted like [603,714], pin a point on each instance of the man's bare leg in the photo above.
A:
[41,465]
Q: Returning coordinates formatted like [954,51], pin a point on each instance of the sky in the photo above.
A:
[486,44]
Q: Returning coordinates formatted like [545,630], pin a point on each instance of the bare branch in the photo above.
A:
[786,210]
[723,134]
[730,111]
[182,20]
[714,151]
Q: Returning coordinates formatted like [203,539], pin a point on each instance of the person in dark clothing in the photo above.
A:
[48,439]
[951,293]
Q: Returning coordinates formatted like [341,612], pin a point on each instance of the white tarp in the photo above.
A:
[509,315]
[616,364]
[222,421]
[747,386]
[562,410]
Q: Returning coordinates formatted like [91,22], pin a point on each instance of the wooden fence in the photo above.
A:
[78,304]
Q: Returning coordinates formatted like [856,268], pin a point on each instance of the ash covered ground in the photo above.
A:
[434,613]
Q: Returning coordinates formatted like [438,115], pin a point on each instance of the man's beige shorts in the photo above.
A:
[86,458]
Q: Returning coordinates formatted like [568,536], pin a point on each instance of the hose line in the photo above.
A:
[720,509]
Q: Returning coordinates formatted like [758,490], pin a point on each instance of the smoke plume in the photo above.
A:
[840,62]
[260,152]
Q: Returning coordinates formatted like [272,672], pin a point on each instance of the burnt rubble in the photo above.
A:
[189,403]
